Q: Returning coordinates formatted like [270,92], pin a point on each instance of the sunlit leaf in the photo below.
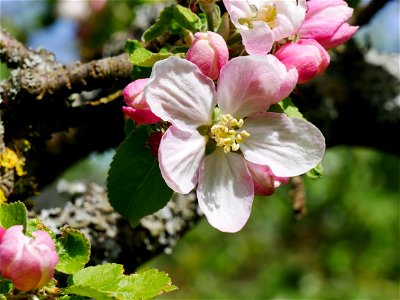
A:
[109,282]
[135,185]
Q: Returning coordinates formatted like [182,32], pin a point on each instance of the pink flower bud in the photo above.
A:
[2,231]
[138,109]
[325,22]
[154,141]
[209,52]
[28,262]
[307,56]
[265,182]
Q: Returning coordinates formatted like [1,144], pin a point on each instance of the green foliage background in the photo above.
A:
[347,247]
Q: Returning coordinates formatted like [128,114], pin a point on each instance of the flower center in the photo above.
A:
[266,13]
[225,133]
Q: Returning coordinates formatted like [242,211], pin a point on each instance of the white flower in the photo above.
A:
[263,22]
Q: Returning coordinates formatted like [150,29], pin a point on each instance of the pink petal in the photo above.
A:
[2,231]
[341,36]
[209,52]
[179,93]
[225,191]
[180,155]
[28,262]
[259,39]
[289,146]
[250,84]
[288,79]
[238,9]
[202,54]
[133,93]
[221,48]
[263,179]
[307,56]
[141,116]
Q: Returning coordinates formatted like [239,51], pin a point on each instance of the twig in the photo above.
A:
[364,15]
[39,75]
[298,196]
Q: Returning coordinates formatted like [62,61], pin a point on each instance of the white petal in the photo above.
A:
[179,93]
[180,155]
[225,191]
[248,85]
[290,17]
[289,146]
[259,39]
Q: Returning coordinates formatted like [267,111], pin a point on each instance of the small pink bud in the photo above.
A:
[29,262]
[2,231]
[138,109]
[209,52]
[325,22]
[154,141]
[307,56]
[265,182]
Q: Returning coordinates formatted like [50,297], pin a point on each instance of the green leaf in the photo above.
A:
[173,18]
[140,56]
[140,72]
[6,286]
[129,126]
[160,26]
[109,282]
[13,214]
[290,109]
[73,249]
[135,185]
[37,224]
[186,18]
[316,173]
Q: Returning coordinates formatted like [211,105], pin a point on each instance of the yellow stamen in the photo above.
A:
[226,135]
[266,13]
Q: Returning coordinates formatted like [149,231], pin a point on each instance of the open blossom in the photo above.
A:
[209,52]
[306,55]
[137,108]
[325,22]
[29,262]
[237,131]
[263,22]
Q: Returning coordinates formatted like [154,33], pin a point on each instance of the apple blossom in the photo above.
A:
[306,55]
[208,146]
[29,262]
[325,22]
[138,109]
[209,52]
[263,22]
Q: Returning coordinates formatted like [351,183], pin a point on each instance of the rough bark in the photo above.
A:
[112,237]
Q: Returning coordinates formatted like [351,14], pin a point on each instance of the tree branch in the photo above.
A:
[112,238]
[40,76]
[364,15]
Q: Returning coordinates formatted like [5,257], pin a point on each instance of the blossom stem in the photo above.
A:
[208,9]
